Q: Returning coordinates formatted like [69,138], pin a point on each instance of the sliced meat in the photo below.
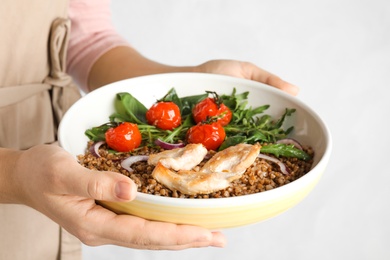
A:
[177,159]
[224,167]
[235,159]
[191,182]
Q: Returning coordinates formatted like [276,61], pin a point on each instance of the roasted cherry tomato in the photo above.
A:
[210,135]
[164,115]
[123,138]
[212,107]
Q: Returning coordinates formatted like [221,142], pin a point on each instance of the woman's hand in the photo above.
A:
[125,62]
[50,180]
[246,70]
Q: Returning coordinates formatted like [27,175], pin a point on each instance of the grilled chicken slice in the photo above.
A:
[235,159]
[191,182]
[177,159]
[224,167]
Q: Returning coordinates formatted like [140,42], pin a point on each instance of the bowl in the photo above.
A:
[94,109]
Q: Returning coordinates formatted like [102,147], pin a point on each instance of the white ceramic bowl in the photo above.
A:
[95,108]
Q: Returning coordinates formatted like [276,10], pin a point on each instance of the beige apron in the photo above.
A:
[34,93]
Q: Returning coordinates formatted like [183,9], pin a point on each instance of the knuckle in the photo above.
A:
[96,189]
[86,237]
[143,242]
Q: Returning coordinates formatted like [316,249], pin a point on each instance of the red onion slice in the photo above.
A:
[126,163]
[290,141]
[94,148]
[281,165]
[168,146]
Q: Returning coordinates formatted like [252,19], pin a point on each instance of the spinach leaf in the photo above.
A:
[171,96]
[128,109]
[231,141]
[187,103]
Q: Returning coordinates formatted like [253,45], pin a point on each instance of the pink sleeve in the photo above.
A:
[92,35]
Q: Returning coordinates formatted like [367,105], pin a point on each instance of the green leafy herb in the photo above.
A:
[98,133]
[128,109]
[187,103]
[248,125]
[285,150]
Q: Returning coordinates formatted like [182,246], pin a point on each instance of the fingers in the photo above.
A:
[263,76]
[246,70]
[95,226]
[135,232]
[277,82]
[175,237]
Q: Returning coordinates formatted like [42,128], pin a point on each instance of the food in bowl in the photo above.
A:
[197,146]
[225,212]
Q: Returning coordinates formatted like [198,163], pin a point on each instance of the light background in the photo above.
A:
[338,53]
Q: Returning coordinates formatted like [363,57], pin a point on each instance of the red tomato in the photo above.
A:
[210,135]
[208,107]
[164,115]
[123,138]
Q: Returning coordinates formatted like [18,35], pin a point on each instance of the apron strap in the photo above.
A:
[64,92]
[14,94]
[58,46]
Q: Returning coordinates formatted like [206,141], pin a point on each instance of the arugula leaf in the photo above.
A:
[288,112]
[234,101]
[98,133]
[285,150]
[178,133]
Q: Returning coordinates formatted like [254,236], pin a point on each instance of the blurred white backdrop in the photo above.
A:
[338,53]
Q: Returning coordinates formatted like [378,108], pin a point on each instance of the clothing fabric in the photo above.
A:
[35,92]
[92,35]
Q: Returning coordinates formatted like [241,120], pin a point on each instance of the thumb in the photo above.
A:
[110,186]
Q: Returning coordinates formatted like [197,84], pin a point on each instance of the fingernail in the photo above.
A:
[219,240]
[123,190]
[294,90]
